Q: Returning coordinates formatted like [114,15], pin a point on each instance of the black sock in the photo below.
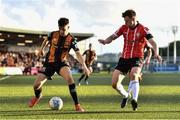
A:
[86,78]
[72,90]
[82,76]
[38,92]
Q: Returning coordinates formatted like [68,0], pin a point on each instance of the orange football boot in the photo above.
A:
[79,108]
[34,101]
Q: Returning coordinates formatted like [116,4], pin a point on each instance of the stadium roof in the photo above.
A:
[21,37]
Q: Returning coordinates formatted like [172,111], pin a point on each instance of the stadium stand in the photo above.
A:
[17,50]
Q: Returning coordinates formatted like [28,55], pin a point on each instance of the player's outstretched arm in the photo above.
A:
[108,40]
[81,60]
[148,58]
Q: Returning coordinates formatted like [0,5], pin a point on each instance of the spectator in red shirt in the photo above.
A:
[135,35]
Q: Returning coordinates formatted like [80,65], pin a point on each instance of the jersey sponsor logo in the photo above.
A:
[132,41]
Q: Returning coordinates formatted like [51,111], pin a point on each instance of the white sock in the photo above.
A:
[130,87]
[121,90]
[135,89]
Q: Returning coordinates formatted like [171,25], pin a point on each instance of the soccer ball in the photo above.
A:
[56,103]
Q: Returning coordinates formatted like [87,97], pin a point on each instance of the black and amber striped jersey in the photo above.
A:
[60,47]
[90,56]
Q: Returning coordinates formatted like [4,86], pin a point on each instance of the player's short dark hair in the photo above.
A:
[130,13]
[63,21]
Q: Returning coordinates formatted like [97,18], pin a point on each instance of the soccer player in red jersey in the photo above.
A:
[60,42]
[135,35]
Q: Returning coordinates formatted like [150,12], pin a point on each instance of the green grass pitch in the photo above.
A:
[159,98]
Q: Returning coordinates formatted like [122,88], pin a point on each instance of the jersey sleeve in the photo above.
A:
[119,32]
[74,45]
[148,35]
[84,52]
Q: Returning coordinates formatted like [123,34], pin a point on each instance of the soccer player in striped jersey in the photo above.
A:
[135,35]
[60,42]
[90,56]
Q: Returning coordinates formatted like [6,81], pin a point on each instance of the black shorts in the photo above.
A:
[50,68]
[88,65]
[125,65]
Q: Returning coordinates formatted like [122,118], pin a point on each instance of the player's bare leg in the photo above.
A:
[140,76]
[41,79]
[86,80]
[79,80]
[116,84]
[87,76]
[134,86]
[66,74]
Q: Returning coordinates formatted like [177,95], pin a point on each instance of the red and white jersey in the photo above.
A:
[134,40]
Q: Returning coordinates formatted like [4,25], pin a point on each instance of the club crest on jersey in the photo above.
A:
[138,34]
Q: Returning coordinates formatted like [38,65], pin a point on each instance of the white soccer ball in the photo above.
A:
[56,103]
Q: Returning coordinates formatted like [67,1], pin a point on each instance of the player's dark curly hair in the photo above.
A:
[130,13]
[63,21]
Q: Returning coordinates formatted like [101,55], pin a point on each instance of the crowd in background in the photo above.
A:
[26,61]
[23,60]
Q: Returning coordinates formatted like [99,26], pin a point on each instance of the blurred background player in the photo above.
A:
[135,35]
[90,56]
[147,57]
[60,42]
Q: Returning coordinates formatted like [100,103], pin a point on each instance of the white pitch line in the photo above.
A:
[3,78]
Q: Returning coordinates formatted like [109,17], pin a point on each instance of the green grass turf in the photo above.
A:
[158,99]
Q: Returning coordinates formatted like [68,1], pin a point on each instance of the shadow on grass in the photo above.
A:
[95,99]
[51,112]
[98,79]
